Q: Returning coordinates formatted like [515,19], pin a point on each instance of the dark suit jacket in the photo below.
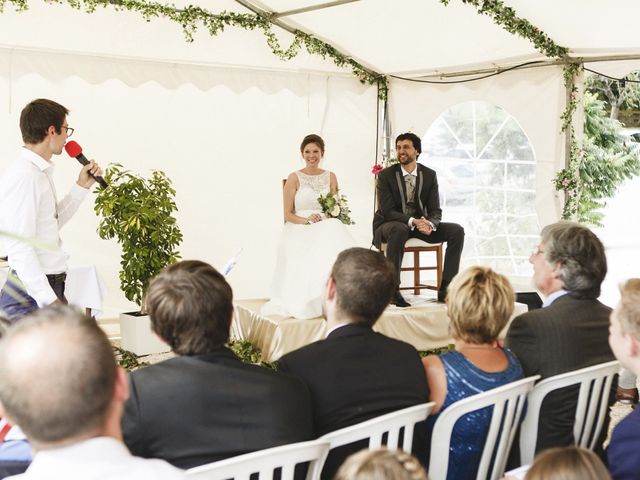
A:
[392,197]
[569,334]
[194,410]
[622,454]
[354,375]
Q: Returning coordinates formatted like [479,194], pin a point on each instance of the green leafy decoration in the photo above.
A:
[191,18]
[138,213]
[246,352]
[507,18]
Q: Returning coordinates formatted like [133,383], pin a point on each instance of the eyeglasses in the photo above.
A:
[537,251]
[69,130]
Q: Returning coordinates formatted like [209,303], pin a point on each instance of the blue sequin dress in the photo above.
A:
[464,379]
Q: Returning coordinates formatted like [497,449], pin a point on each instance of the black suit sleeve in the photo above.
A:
[132,430]
[521,339]
[390,209]
[434,212]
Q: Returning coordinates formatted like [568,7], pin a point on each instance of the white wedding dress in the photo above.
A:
[306,254]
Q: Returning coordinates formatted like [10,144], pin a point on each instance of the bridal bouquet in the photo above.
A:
[335,206]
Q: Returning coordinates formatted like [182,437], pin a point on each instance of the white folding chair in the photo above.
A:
[593,402]
[264,462]
[507,402]
[375,428]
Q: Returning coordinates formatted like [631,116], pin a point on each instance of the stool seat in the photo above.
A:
[416,247]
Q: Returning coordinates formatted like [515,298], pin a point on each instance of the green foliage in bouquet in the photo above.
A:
[336,206]
[138,212]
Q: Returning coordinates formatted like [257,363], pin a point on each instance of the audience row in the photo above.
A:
[205,404]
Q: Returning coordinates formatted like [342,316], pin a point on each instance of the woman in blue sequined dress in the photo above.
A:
[480,303]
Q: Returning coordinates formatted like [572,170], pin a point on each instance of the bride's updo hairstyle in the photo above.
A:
[479,304]
[313,138]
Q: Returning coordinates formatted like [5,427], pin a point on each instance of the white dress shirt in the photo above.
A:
[99,458]
[29,208]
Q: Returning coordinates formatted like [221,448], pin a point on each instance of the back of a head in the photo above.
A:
[567,463]
[190,304]
[57,375]
[381,464]
[365,282]
[628,311]
[579,254]
[479,303]
[37,116]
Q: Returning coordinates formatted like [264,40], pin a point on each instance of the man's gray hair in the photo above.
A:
[579,254]
[57,375]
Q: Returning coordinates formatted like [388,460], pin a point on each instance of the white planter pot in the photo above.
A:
[137,337]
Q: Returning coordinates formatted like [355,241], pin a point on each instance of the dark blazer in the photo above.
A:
[622,453]
[194,410]
[392,197]
[569,334]
[354,375]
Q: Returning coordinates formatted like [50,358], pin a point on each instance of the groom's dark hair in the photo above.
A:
[190,305]
[365,282]
[413,138]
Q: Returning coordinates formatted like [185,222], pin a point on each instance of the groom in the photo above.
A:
[408,207]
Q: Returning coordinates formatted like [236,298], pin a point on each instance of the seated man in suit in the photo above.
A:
[570,331]
[409,207]
[356,374]
[205,404]
[59,382]
[624,338]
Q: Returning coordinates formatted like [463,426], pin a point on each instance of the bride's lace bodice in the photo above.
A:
[311,187]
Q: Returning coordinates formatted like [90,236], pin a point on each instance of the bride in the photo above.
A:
[310,240]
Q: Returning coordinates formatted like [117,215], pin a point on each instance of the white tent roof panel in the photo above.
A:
[602,25]
[418,37]
[127,35]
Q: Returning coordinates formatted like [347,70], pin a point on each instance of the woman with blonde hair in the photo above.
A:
[568,463]
[381,464]
[480,303]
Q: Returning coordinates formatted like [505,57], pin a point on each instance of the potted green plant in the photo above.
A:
[139,213]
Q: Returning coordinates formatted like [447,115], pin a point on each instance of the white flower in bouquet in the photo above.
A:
[335,211]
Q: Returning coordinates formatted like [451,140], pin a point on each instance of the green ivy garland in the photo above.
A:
[506,17]
[191,18]
[567,180]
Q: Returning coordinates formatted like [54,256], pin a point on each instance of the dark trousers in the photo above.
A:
[395,234]
[15,302]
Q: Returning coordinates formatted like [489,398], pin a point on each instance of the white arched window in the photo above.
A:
[486,173]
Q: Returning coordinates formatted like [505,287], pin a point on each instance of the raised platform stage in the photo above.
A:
[425,326]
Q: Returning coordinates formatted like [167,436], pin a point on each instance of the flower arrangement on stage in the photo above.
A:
[335,206]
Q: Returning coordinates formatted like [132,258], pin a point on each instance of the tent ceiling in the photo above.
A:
[406,37]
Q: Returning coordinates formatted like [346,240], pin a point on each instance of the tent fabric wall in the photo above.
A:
[535,97]
[226,144]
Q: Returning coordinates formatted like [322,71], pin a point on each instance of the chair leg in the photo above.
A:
[416,273]
[439,265]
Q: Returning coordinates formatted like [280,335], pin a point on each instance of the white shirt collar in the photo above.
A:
[405,173]
[553,297]
[36,159]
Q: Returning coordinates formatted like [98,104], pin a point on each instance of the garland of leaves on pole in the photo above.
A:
[567,180]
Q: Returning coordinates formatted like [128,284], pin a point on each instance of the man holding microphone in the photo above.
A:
[31,211]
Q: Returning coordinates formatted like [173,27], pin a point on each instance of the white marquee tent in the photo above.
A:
[223,116]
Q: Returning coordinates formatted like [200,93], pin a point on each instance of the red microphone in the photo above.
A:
[74,150]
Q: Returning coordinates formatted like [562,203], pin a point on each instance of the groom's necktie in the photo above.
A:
[410,182]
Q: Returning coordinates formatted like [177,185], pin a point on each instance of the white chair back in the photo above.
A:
[507,402]
[593,402]
[374,429]
[264,462]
